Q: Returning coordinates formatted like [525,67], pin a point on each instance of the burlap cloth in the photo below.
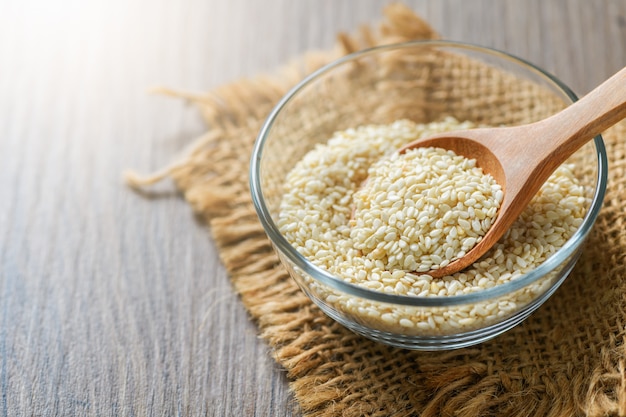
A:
[568,358]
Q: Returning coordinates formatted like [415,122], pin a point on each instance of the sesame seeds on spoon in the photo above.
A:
[522,158]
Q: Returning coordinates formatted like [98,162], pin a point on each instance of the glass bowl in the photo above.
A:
[422,81]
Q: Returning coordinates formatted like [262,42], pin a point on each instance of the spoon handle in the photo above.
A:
[527,164]
[600,109]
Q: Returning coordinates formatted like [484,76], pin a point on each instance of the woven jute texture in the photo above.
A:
[568,358]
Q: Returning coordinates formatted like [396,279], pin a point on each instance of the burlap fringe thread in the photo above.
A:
[567,359]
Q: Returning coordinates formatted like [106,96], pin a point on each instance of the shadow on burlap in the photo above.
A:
[568,358]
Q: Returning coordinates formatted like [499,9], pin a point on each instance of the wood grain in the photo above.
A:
[114,303]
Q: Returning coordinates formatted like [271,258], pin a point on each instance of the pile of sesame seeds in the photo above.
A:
[422,209]
[344,225]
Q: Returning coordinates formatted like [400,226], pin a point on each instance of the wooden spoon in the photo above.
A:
[521,158]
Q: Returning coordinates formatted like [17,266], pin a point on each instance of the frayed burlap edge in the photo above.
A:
[561,361]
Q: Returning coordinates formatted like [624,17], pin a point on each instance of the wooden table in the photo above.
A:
[113,303]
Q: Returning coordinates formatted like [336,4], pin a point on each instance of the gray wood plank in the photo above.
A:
[112,303]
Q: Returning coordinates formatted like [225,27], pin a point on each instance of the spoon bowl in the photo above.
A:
[521,158]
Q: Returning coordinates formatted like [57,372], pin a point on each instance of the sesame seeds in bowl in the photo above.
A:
[358,226]
[415,211]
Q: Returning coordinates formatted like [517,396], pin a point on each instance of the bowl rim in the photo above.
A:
[284,248]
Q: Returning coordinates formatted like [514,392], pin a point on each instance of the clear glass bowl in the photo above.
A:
[422,81]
